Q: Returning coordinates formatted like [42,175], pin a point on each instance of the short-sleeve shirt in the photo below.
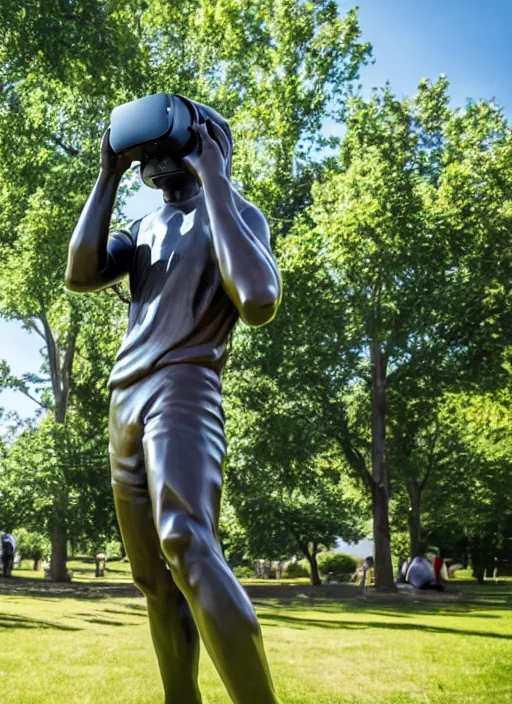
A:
[179,311]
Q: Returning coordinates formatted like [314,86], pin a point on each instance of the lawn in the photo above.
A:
[89,643]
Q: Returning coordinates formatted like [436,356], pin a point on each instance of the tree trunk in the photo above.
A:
[313,564]
[315,575]
[59,535]
[380,498]
[414,517]
[61,368]
[381,536]
[59,556]
[479,574]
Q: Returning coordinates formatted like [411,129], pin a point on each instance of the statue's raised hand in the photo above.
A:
[110,162]
[210,157]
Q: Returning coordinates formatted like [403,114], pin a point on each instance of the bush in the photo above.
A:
[243,572]
[32,546]
[114,550]
[295,570]
[340,565]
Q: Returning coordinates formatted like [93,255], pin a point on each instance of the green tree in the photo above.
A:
[468,502]
[52,108]
[43,457]
[410,229]
[414,453]
[233,536]
[286,480]
[283,517]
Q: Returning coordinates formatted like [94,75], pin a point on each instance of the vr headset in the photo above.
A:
[155,126]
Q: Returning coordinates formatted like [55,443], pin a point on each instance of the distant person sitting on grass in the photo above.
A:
[420,574]
[367,576]
[402,572]
[8,550]
[433,555]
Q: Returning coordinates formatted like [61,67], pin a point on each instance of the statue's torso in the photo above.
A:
[179,312]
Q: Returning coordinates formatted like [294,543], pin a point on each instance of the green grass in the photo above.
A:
[83,571]
[95,649]
[117,570]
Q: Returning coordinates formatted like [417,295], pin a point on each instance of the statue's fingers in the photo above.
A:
[198,147]
[219,135]
[202,130]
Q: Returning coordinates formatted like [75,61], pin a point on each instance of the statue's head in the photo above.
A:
[165,164]
[155,130]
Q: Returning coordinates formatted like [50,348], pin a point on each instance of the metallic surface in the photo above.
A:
[167,446]
[167,426]
[179,310]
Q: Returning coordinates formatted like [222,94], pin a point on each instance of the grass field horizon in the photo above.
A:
[89,642]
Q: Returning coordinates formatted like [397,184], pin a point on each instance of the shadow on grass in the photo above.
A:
[94,618]
[141,613]
[467,603]
[107,622]
[441,611]
[44,589]
[9,621]
[400,611]
[304,623]
[473,602]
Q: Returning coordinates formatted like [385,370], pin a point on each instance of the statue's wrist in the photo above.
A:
[109,174]
[216,181]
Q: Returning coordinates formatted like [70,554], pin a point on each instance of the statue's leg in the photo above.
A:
[184,448]
[173,630]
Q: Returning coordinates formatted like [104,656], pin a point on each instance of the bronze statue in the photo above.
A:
[195,266]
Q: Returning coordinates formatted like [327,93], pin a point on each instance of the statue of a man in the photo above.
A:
[195,266]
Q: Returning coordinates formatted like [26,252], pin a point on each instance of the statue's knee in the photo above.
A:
[180,535]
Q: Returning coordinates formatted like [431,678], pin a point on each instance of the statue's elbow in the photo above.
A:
[71,280]
[70,283]
[73,286]
[77,285]
[261,309]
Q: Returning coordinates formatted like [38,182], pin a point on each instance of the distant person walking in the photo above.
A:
[8,550]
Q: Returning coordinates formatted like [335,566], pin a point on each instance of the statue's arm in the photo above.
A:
[95,260]
[239,230]
[241,241]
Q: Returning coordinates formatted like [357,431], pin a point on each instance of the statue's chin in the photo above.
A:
[171,181]
[178,186]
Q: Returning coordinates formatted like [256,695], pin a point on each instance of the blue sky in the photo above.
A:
[469,40]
